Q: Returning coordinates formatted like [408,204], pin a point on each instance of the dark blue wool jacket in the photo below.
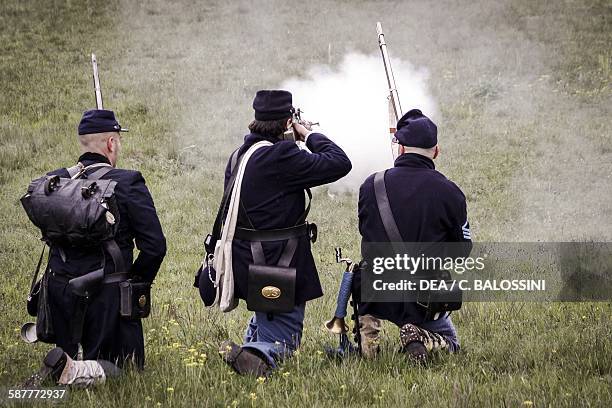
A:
[427,207]
[273,197]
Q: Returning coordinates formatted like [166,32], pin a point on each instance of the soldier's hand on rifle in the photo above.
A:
[301,131]
[308,124]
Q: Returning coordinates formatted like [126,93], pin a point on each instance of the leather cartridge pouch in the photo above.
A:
[271,289]
[135,299]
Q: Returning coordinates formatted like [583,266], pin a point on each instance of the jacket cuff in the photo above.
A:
[312,138]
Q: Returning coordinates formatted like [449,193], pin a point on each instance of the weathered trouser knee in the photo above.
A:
[87,373]
[432,341]
[369,330]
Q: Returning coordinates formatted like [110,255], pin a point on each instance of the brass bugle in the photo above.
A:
[336,324]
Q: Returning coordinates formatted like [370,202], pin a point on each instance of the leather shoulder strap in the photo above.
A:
[384,208]
[35,276]
[99,173]
[115,252]
[234,160]
[72,171]
[105,168]
[304,215]
[286,256]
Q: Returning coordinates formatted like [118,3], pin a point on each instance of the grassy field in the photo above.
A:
[523,90]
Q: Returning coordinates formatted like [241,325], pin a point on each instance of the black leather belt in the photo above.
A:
[116,277]
[282,234]
[110,278]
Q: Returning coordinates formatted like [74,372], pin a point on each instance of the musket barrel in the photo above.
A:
[96,79]
[397,108]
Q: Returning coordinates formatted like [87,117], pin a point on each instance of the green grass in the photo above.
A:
[523,89]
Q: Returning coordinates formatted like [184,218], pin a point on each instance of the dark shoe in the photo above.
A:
[412,339]
[244,361]
[416,351]
[52,367]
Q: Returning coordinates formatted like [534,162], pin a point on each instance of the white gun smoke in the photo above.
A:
[350,103]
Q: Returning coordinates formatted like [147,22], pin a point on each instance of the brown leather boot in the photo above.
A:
[52,367]
[244,361]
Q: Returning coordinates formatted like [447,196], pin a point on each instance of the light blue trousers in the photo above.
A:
[277,335]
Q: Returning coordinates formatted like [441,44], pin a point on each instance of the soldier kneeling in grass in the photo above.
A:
[422,205]
[263,254]
[93,294]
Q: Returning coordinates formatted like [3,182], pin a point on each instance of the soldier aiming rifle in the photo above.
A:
[259,250]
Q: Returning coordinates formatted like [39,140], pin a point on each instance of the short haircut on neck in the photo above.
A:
[95,142]
[419,150]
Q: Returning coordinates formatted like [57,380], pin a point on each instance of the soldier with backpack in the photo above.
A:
[93,290]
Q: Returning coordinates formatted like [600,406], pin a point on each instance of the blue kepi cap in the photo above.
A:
[99,121]
[416,130]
